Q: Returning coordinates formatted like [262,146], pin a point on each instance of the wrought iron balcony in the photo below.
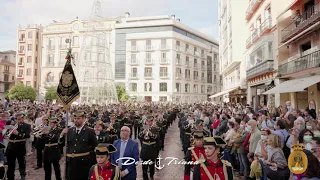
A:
[254,4]
[252,38]
[260,31]
[260,68]
[300,23]
[311,60]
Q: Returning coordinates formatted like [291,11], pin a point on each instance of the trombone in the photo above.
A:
[9,132]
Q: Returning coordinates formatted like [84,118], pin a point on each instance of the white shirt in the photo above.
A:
[80,128]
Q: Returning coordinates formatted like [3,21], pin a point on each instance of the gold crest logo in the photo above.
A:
[298,161]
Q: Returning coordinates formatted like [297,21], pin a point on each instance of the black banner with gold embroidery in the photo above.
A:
[68,90]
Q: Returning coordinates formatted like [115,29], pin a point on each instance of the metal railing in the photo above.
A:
[133,76]
[311,60]
[148,75]
[22,39]
[148,61]
[252,6]
[196,78]
[299,23]
[134,61]
[187,63]
[267,24]
[262,67]
[19,75]
[149,47]
[21,51]
[188,77]
[164,75]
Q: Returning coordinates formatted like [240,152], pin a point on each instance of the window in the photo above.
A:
[163,56]
[35,72]
[147,72]
[6,87]
[133,57]
[75,41]
[50,59]
[148,56]
[133,87]
[133,43]
[187,73]
[187,46]
[21,48]
[214,78]
[29,47]
[214,67]
[178,43]
[6,77]
[148,42]
[35,84]
[51,43]
[195,88]
[209,89]
[163,87]
[37,35]
[12,77]
[195,74]
[178,87]
[163,71]
[178,56]
[215,57]
[28,71]
[28,83]
[36,60]
[36,47]
[187,88]
[6,68]
[148,87]
[29,59]
[163,98]
[20,72]
[29,35]
[203,89]
[50,77]
[20,61]
[215,89]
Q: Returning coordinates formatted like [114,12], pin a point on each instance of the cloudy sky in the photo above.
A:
[201,15]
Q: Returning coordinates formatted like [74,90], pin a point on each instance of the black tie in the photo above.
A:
[78,131]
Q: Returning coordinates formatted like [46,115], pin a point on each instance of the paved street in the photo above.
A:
[171,172]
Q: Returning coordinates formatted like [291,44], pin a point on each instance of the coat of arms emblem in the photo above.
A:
[297,161]
[67,79]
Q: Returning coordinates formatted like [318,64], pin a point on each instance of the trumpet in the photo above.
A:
[40,131]
[38,128]
[8,134]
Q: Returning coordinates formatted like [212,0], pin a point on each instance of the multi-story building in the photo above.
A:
[299,55]
[161,59]
[55,48]
[28,55]
[7,71]
[231,48]
[261,49]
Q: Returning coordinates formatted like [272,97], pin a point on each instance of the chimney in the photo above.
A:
[173,16]
[127,14]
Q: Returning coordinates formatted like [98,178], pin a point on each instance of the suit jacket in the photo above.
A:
[131,151]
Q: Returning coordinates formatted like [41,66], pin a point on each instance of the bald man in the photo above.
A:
[255,136]
[127,148]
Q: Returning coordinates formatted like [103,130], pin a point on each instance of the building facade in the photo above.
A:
[232,46]
[28,55]
[299,55]
[160,59]
[261,50]
[55,48]
[7,71]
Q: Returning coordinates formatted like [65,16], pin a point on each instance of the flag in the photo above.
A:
[68,90]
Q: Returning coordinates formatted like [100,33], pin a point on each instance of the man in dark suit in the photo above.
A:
[17,147]
[127,148]
[80,146]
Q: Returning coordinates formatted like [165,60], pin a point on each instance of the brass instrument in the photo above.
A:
[8,133]
[38,128]
[146,134]
[40,131]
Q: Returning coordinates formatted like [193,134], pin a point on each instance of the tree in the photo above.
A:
[51,93]
[121,92]
[20,92]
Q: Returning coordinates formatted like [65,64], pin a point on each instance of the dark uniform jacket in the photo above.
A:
[17,143]
[109,171]
[218,168]
[51,150]
[103,137]
[149,148]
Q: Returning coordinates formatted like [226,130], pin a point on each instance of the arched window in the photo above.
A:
[50,77]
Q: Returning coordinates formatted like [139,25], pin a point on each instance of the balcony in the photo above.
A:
[188,78]
[149,48]
[134,62]
[197,53]
[178,62]
[203,79]
[189,51]
[148,75]
[188,64]
[148,61]
[133,76]
[20,63]
[253,6]
[252,38]
[21,51]
[260,68]
[22,39]
[196,78]
[305,62]
[164,61]
[164,47]
[133,48]
[178,75]
[164,75]
[179,48]
[203,67]
[299,24]
[196,66]
[19,75]
[49,64]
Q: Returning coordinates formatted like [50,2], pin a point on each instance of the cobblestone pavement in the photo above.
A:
[168,172]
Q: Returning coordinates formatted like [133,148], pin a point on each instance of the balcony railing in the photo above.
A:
[203,79]
[188,77]
[19,75]
[21,51]
[178,62]
[196,65]
[148,75]
[308,18]
[134,62]
[179,48]
[148,61]
[164,47]
[252,7]
[164,61]
[196,78]
[187,64]
[164,75]
[252,38]
[260,68]
[189,51]
[20,63]
[203,55]
[133,76]
[178,75]
[311,60]
[133,48]
[203,67]
[149,48]
[260,31]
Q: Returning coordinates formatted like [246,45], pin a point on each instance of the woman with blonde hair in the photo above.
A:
[275,163]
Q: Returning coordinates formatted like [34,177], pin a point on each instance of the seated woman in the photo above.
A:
[312,172]
[275,166]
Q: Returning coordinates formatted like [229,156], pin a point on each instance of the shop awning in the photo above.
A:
[222,93]
[294,85]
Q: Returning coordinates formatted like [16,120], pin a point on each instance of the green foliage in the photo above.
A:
[121,92]
[51,93]
[20,92]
